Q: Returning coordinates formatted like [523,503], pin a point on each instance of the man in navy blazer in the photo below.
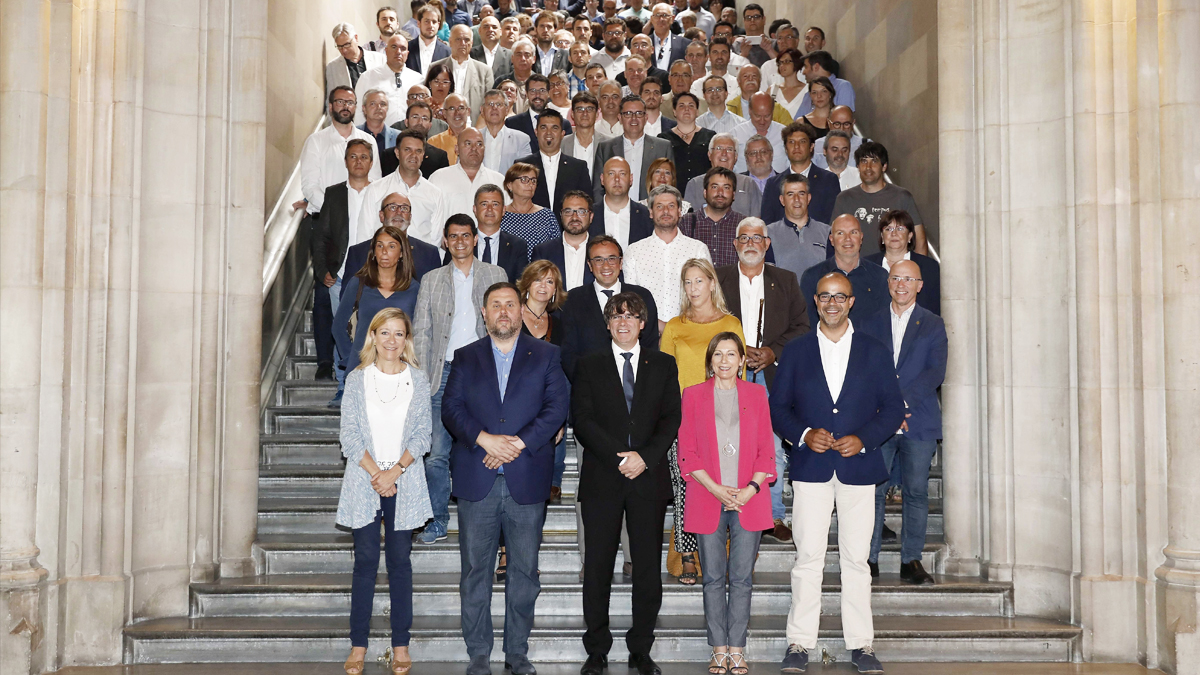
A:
[425,256]
[835,397]
[505,400]
[428,26]
[571,173]
[537,93]
[917,337]
[575,218]
[823,185]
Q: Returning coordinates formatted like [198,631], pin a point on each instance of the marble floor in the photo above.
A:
[668,669]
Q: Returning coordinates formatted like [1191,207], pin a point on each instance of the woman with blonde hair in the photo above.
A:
[386,428]
[702,315]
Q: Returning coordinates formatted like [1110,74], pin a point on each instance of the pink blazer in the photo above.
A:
[698,450]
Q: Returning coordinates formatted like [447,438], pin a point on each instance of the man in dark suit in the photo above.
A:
[626,406]
[584,328]
[503,249]
[823,185]
[505,400]
[537,93]
[917,337]
[418,118]
[489,39]
[575,217]
[544,27]
[566,173]
[775,316]
[836,399]
[616,205]
[869,279]
[633,124]
[427,22]
[668,47]
[425,256]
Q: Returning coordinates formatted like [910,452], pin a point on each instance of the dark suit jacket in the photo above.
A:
[640,225]
[584,329]
[868,280]
[667,123]
[921,367]
[524,124]
[441,50]
[679,46]
[572,175]
[930,296]
[784,314]
[823,185]
[513,257]
[553,251]
[604,426]
[869,406]
[652,148]
[652,72]
[331,232]
[435,158]
[562,61]
[501,64]
[534,408]
[425,258]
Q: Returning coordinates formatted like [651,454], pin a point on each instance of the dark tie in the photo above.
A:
[487,250]
[662,51]
[399,84]
[607,292]
[627,380]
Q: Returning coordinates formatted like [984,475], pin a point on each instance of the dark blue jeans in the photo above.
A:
[915,458]
[398,546]
[437,463]
[479,525]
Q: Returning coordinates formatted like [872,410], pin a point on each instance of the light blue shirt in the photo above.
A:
[843,94]
[462,327]
[546,60]
[503,368]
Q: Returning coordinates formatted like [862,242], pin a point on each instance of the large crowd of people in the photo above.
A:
[654,227]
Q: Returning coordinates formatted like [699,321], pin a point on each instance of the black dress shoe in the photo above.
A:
[874,569]
[887,536]
[644,664]
[595,665]
[324,371]
[914,573]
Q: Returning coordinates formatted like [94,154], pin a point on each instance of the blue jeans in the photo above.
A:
[339,370]
[479,526]
[778,508]
[727,612]
[437,463]
[560,461]
[398,546]
[915,459]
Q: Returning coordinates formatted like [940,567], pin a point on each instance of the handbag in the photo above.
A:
[352,323]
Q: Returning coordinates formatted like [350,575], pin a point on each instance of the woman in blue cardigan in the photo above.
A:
[386,430]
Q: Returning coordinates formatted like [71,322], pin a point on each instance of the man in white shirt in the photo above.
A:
[724,30]
[323,157]
[352,60]
[704,18]
[718,118]
[837,158]
[651,95]
[718,66]
[392,78]
[428,216]
[613,56]
[471,78]
[426,43]
[503,145]
[786,37]
[582,144]
[762,108]
[459,182]
[635,10]
[658,259]
[841,118]
[609,124]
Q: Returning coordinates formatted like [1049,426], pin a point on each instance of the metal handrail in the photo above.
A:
[282,224]
[932,251]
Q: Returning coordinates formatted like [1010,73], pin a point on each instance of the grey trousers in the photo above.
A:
[727,609]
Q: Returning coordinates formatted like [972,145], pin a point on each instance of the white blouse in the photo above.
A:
[388,398]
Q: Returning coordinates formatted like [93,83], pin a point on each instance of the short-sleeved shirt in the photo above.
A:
[869,207]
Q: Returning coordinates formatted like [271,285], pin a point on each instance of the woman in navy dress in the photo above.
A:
[535,224]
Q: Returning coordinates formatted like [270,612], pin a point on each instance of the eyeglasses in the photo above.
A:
[393,208]
[539,90]
[567,213]
[711,90]
[625,317]
[585,110]
[903,280]
[759,153]
[457,109]
[756,238]
[633,114]
[614,33]
[418,97]
[525,180]
[495,105]
[839,298]
[610,260]
[343,103]
[895,228]
[752,17]
[419,118]
[723,149]
[344,46]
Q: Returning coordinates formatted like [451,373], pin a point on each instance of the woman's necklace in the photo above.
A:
[375,383]
[687,135]
[536,317]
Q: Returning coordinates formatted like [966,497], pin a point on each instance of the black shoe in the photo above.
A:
[914,573]
[887,536]
[795,660]
[864,660]
[595,665]
[644,664]
[324,371]
[518,664]
[874,569]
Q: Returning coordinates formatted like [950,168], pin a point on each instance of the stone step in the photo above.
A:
[304,344]
[559,554]
[556,639]
[562,595]
[299,368]
[299,481]
[316,450]
[304,393]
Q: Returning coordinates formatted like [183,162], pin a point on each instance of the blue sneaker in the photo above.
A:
[433,532]
[795,660]
[336,402]
[864,659]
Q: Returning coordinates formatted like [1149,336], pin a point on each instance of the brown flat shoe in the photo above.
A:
[781,532]
[555,494]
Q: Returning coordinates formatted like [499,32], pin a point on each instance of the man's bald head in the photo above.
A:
[841,118]
[762,103]
[906,268]
[904,283]
[835,282]
[398,217]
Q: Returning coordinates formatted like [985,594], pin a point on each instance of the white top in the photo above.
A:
[387,398]
[752,294]
[633,155]
[636,350]
[899,325]
[732,90]
[793,105]
[546,59]
[384,79]
[657,264]
[489,55]
[770,77]
[603,128]
[574,263]
[835,357]
[503,149]
[612,66]
[849,178]
[779,158]
[819,152]
[426,198]
[616,223]
[458,191]
[549,173]
[887,265]
[601,296]
[662,49]
[323,163]
[458,71]
[586,153]
[653,128]
[426,51]
[724,125]
[354,203]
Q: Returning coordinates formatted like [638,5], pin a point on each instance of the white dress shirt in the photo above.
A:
[616,223]
[899,325]
[546,60]
[462,323]
[633,155]
[574,263]
[612,66]
[653,128]
[636,350]
[323,163]
[662,50]
[887,266]
[603,128]
[481,245]
[849,178]
[503,149]
[354,199]
[489,55]
[586,153]
[426,51]
[458,72]
[458,191]
[732,90]
[835,358]
[752,295]
[549,173]
[745,130]
[601,296]
[384,79]
[427,215]
[656,264]
[722,125]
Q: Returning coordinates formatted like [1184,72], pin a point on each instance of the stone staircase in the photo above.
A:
[297,607]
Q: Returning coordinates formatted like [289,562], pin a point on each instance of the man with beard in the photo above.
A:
[426,48]
[872,199]
[393,78]
[503,249]
[723,151]
[766,299]
[716,222]
[823,186]
[502,462]
[426,198]
[615,52]
[837,158]
[388,24]
[323,157]
[458,182]
[569,252]
[548,58]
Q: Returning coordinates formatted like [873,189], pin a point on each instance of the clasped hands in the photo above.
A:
[501,449]
[733,499]
[820,440]
[383,481]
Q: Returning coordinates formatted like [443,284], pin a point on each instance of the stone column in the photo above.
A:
[1179,108]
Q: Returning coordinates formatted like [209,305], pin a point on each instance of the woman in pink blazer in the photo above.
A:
[727,457]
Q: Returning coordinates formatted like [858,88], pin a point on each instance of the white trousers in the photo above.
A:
[812,512]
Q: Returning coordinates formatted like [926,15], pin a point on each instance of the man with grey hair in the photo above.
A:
[656,261]
[837,157]
[767,300]
[503,144]
[797,241]
[488,49]
[352,60]
[759,155]
[723,151]
[393,78]
[760,122]
[375,110]
[786,37]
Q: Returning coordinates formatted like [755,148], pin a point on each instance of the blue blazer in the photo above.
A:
[823,185]
[640,225]
[930,296]
[425,258]
[921,368]
[553,251]
[869,406]
[534,408]
[441,50]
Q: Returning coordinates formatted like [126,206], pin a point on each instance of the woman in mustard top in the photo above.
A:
[702,315]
